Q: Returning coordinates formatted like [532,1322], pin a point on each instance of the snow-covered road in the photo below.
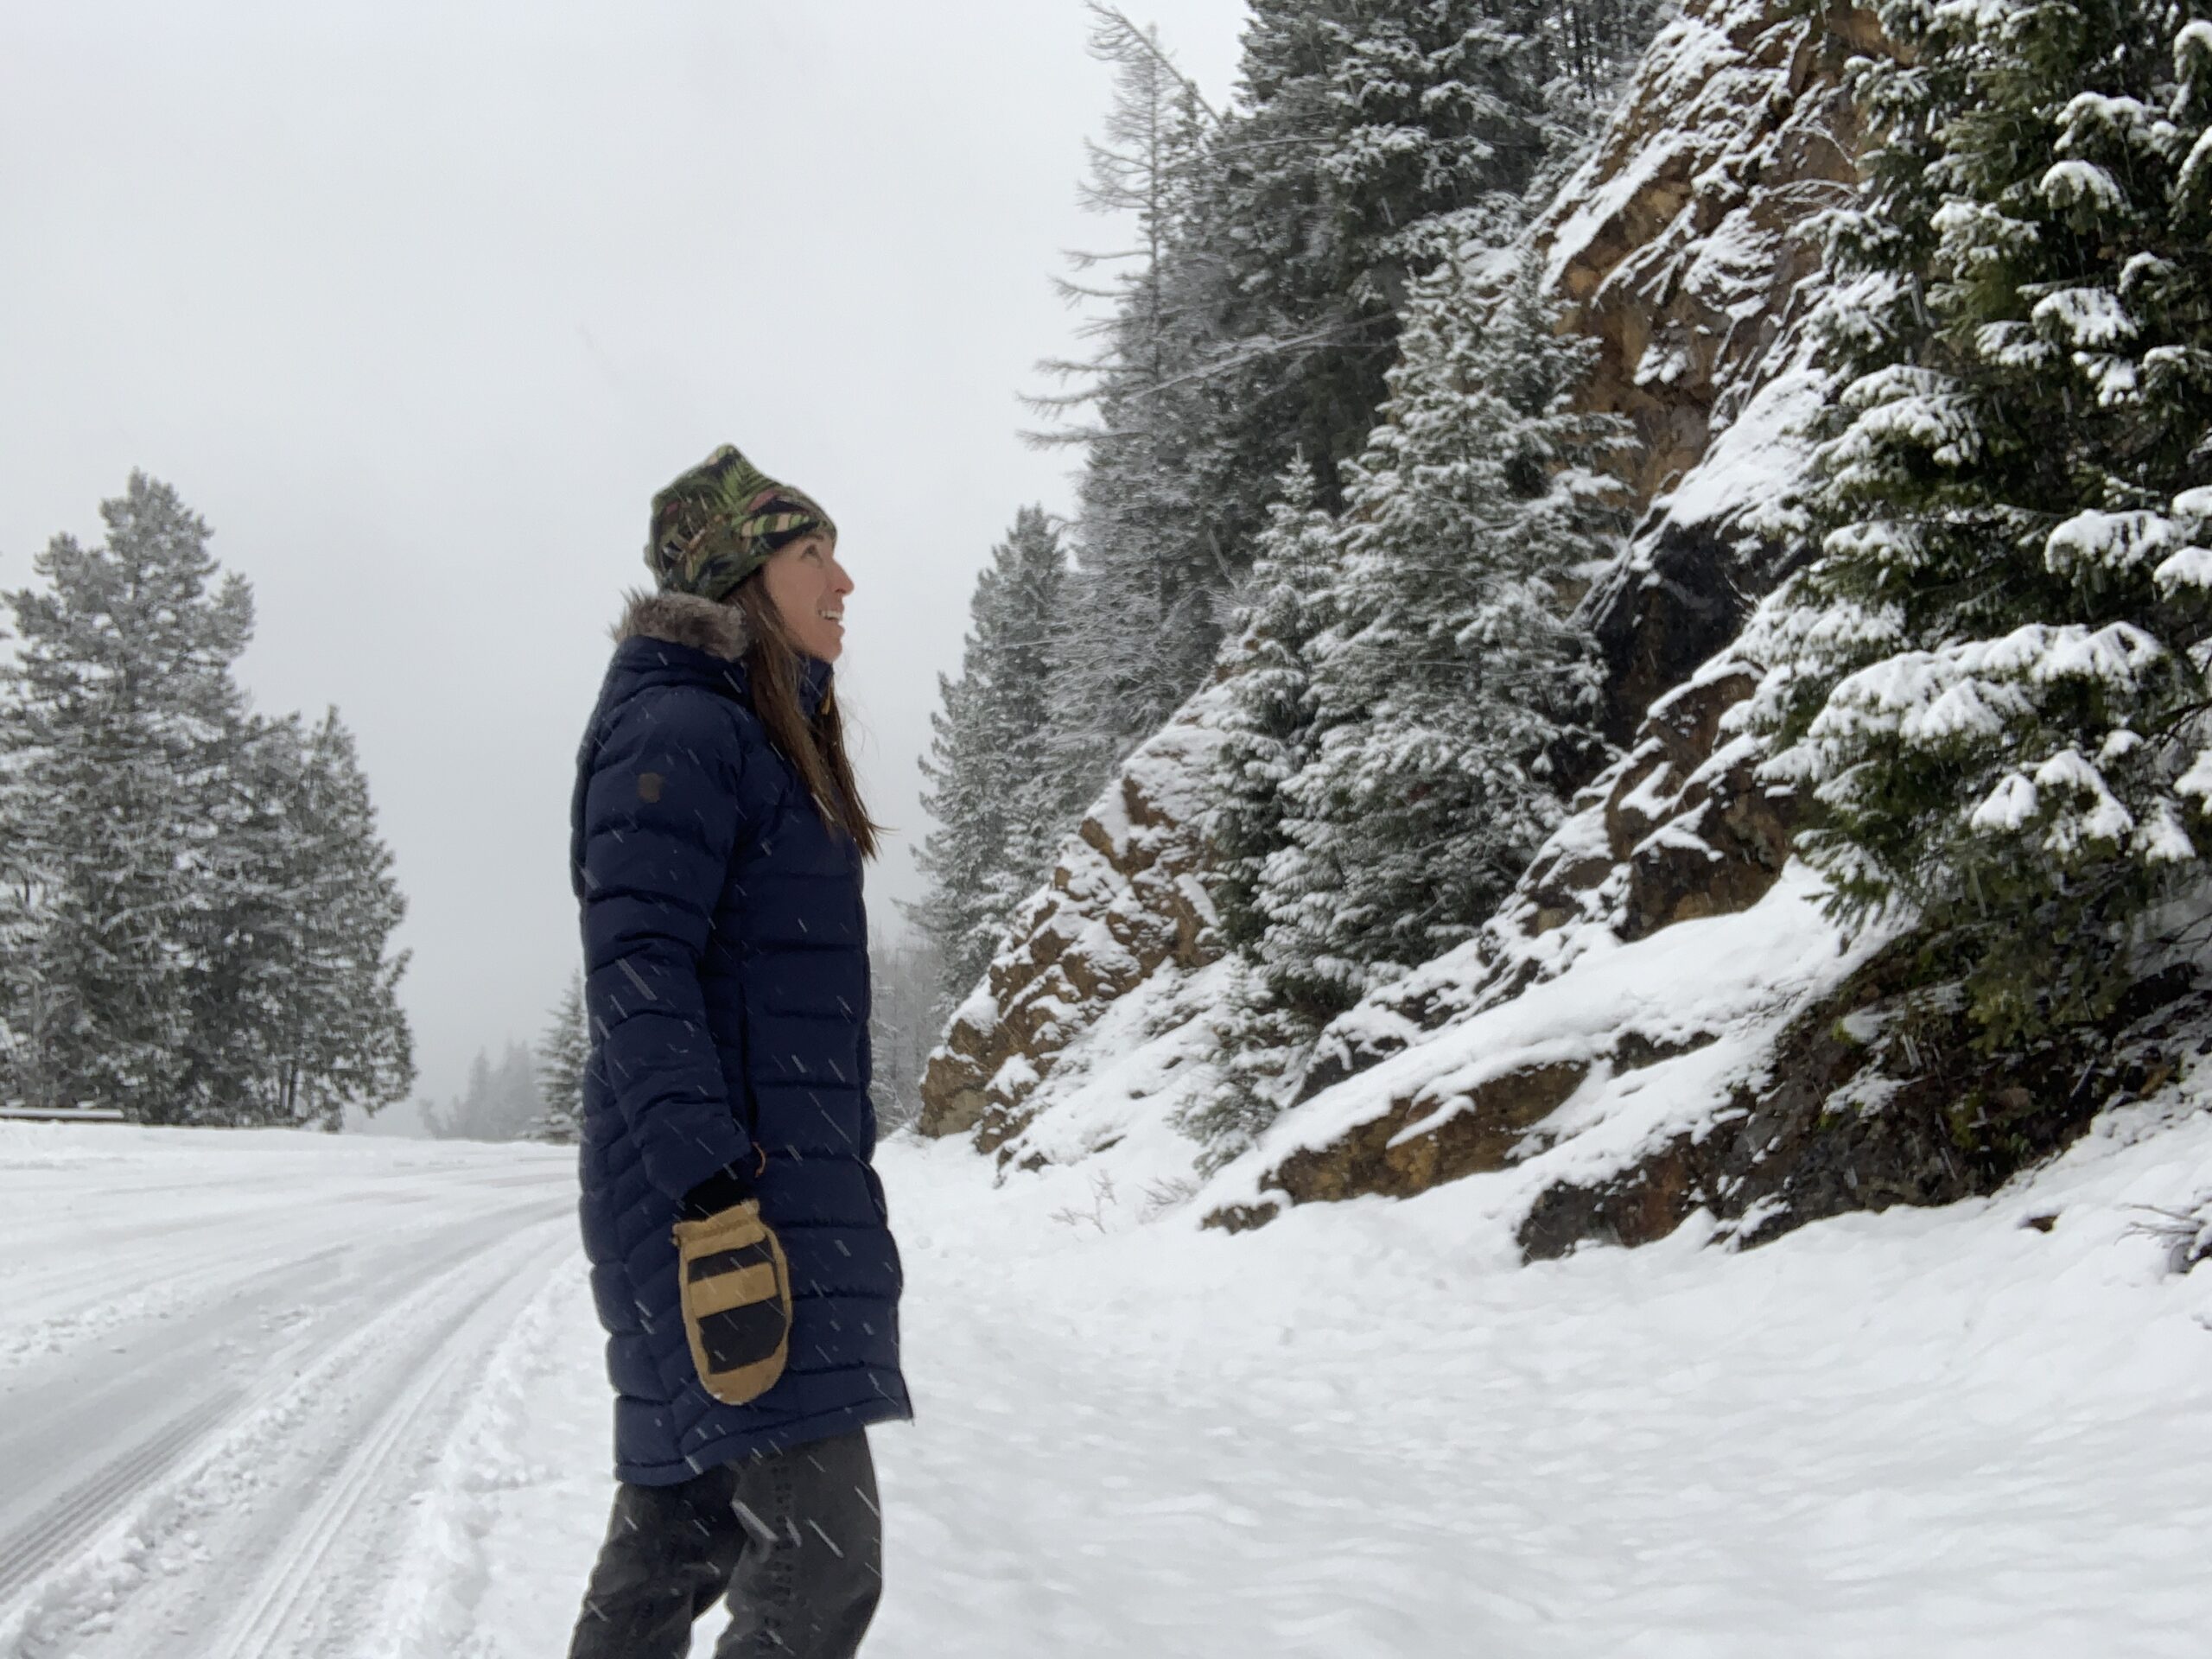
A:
[226,1370]
[269,1394]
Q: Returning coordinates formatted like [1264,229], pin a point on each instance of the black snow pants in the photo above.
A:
[794,1540]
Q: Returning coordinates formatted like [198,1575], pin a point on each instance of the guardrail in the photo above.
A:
[62,1113]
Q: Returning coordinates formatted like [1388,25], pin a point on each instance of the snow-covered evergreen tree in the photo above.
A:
[21,883]
[1449,688]
[1277,245]
[907,1013]
[1267,716]
[1991,683]
[197,907]
[1265,720]
[347,1043]
[1368,140]
[993,788]
[242,936]
[563,1056]
[121,714]
[1138,628]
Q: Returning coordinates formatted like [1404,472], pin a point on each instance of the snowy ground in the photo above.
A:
[273,1394]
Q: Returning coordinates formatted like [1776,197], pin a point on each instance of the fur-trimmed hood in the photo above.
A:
[715,630]
[686,619]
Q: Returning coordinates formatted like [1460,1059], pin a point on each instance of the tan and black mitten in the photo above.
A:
[737,1301]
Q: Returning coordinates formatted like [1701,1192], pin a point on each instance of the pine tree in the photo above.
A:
[1138,628]
[563,1056]
[343,1041]
[1278,244]
[1267,717]
[959,857]
[1988,685]
[294,999]
[21,881]
[1265,721]
[1451,688]
[239,936]
[501,1102]
[1029,633]
[906,1013]
[196,905]
[993,787]
[1369,141]
[122,712]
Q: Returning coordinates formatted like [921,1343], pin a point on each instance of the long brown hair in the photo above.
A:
[816,749]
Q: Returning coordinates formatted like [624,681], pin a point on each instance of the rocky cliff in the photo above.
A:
[1126,908]
[1660,1021]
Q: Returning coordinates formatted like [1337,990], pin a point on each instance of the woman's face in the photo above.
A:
[808,588]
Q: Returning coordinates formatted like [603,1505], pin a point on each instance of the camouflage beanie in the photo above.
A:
[718,522]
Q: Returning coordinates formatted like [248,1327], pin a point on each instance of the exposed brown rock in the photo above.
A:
[1729,136]
[1479,1135]
[1243,1218]
[1915,1116]
[1493,1124]
[1680,248]
[1123,899]
[1685,836]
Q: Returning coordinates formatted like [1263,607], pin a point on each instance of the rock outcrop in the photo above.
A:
[1673,244]
[1680,247]
[1874,1099]
[1660,1020]
[1677,830]
[1125,902]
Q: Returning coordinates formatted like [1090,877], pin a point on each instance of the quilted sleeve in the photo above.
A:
[661,808]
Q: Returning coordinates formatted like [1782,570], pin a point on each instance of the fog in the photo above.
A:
[417,305]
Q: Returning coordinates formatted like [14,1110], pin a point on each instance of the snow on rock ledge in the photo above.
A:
[1678,245]
[1662,1022]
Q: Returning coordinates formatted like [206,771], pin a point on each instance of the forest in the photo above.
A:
[1550,476]
[195,905]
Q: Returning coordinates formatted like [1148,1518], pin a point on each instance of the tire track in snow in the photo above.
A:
[56,1302]
[35,1549]
[360,1476]
[50,1503]
[263,1441]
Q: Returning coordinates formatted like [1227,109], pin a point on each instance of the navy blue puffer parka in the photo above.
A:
[726,985]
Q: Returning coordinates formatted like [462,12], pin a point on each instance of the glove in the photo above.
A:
[723,1190]
[735,1289]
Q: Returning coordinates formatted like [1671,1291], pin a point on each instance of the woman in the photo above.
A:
[716,850]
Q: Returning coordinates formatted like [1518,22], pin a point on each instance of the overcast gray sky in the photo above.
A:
[417,305]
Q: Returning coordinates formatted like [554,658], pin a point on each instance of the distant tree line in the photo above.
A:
[196,908]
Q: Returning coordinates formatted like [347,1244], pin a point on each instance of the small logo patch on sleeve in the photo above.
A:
[649,786]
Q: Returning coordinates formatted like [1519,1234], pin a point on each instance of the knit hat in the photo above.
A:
[717,523]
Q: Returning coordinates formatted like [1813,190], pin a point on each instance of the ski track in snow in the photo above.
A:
[214,1417]
[284,1395]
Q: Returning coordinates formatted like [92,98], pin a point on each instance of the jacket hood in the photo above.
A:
[703,625]
[713,629]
